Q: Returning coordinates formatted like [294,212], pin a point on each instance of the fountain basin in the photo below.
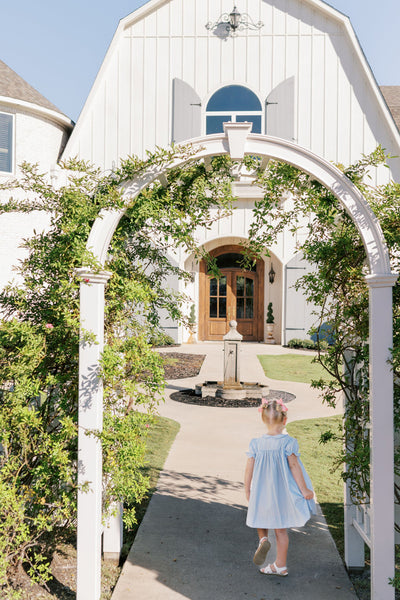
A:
[231,391]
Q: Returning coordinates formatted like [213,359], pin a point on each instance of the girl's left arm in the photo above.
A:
[248,476]
[299,477]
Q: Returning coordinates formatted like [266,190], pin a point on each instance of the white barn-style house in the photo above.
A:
[176,71]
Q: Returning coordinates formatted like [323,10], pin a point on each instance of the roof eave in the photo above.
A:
[53,115]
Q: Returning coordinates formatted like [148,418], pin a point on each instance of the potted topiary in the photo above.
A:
[192,325]
[270,324]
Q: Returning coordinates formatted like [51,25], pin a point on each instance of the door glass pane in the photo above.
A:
[240,308]
[240,286]
[222,308]
[222,286]
[249,308]
[249,287]
[213,308]
[214,287]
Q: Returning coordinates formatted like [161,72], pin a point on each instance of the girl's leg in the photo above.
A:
[262,533]
[263,547]
[282,545]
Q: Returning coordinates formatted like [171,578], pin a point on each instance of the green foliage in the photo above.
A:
[307,344]
[192,316]
[159,338]
[337,287]
[270,313]
[40,336]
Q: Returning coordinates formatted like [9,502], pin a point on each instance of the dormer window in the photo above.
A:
[6,143]
[234,103]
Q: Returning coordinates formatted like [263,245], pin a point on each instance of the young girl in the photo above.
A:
[277,487]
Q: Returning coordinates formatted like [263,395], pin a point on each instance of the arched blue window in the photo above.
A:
[233,103]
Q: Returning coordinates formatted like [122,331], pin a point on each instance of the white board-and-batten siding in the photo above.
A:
[335,108]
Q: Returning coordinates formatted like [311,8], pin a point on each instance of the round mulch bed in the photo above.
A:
[189,397]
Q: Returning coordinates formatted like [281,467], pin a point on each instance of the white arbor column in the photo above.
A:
[382,435]
[89,447]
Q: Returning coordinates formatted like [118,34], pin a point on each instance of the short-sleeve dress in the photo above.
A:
[275,499]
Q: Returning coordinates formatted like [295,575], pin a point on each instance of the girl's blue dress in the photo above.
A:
[275,499]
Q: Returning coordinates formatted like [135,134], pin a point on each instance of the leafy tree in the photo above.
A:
[39,338]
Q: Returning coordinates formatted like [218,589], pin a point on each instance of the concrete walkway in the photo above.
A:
[193,542]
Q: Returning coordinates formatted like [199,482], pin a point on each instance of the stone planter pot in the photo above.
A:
[270,333]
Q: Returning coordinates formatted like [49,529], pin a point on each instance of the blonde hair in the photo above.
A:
[273,412]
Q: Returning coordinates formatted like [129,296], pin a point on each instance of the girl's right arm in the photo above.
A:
[248,475]
[299,477]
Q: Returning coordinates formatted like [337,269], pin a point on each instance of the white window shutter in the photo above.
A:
[186,115]
[298,312]
[279,110]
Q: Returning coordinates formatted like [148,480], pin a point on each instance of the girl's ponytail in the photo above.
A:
[272,411]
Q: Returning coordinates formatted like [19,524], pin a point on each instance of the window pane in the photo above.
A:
[213,308]
[240,308]
[222,308]
[215,123]
[234,97]
[6,122]
[232,260]
[255,119]
[240,286]
[249,287]
[222,286]
[214,287]
[249,308]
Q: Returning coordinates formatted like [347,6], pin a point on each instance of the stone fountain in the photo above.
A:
[231,388]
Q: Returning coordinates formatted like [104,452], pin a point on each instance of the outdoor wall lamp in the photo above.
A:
[271,274]
[234,22]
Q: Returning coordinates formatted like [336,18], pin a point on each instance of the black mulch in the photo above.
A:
[189,397]
[180,366]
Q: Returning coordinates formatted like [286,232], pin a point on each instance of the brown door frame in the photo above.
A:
[203,309]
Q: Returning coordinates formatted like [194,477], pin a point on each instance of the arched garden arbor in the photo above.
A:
[237,141]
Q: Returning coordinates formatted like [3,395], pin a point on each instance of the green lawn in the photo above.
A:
[291,367]
[162,434]
[318,460]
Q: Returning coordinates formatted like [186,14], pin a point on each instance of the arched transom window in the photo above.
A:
[233,103]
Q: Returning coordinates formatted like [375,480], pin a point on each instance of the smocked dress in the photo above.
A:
[275,499]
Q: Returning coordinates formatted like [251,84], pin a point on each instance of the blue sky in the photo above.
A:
[58,46]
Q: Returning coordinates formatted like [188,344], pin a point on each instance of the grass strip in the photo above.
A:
[319,460]
[162,434]
[159,441]
[291,367]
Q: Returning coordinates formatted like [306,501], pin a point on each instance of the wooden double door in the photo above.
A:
[235,295]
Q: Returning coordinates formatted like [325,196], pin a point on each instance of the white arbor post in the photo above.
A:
[382,436]
[89,447]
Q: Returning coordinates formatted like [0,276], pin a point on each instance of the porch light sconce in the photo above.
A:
[234,22]
[271,274]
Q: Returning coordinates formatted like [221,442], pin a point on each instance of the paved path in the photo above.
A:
[193,542]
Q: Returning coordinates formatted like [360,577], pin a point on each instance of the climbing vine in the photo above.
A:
[39,338]
[336,288]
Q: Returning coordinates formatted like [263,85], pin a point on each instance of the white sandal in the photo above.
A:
[278,570]
[262,551]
